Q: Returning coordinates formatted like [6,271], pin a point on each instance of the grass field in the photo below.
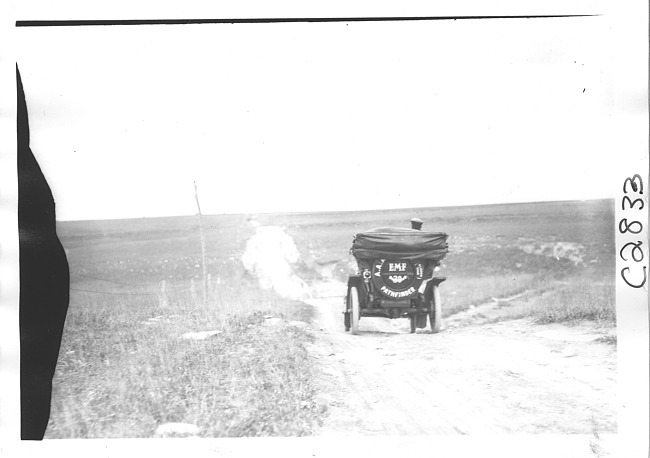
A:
[136,289]
[494,252]
[123,368]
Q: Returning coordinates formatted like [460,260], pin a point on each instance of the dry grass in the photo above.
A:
[568,302]
[124,370]
[462,292]
[544,300]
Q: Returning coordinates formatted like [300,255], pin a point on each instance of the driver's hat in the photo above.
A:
[416,223]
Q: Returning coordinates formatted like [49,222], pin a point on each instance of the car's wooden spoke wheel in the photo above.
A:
[354,310]
[435,315]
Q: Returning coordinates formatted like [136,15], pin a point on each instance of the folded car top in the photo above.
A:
[402,243]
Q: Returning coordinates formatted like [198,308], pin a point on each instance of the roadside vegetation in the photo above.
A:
[566,303]
[125,368]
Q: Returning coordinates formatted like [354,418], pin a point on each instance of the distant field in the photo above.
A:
[494,251]
[123,369]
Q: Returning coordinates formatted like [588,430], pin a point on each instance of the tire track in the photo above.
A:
[476,379]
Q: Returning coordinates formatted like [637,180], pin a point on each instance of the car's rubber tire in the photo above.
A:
[355,310]
[435,315]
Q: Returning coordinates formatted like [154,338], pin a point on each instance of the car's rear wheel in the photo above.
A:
[435,315]
[354,310]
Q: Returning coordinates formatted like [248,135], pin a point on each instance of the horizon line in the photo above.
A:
[334,211]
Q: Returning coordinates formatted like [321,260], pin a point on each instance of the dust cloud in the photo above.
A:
[271,255]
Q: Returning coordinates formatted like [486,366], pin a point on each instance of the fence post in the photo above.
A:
[163,294]
[203,263]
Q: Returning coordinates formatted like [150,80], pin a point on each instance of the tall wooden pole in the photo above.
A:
[203,263]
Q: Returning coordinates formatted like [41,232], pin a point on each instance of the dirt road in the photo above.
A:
[506,377]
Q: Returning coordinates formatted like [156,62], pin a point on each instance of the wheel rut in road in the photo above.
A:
[506,377]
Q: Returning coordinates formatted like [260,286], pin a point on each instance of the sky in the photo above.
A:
[319,117]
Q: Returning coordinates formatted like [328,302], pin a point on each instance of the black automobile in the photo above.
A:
[395,277]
